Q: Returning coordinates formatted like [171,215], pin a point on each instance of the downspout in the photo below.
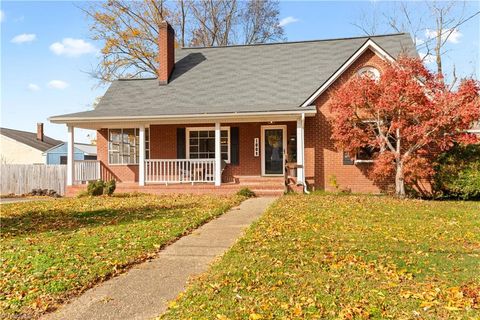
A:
[305,189]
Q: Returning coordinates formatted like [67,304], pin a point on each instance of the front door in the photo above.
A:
[273,150]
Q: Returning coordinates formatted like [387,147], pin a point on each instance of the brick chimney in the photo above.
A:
[40,131]
[166,52]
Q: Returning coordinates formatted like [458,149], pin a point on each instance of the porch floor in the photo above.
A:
[262,186]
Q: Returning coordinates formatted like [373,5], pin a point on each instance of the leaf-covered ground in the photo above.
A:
[346,257]
[51,250]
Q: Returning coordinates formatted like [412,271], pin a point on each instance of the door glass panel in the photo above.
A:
[273,151]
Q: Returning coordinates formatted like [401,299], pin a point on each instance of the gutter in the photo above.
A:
[67,119]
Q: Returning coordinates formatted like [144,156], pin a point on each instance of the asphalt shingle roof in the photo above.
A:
[267,77]
[30,139]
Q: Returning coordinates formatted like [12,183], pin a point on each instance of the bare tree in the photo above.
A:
[214,21]
[412,17]
[180,18]
[128,30]
[260,22]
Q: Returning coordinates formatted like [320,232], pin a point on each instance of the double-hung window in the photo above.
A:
[201,143]
[123,146]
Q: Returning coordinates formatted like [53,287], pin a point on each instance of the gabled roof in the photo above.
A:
[87,149]
[30,139]
[239,79]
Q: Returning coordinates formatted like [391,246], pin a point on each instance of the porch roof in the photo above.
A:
[236,79]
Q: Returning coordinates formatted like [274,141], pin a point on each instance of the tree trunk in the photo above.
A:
[399,179]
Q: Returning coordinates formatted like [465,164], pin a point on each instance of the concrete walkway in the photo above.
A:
[143,292]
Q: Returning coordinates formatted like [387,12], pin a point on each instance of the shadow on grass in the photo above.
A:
[36,221]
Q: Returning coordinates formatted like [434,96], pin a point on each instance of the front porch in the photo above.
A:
[195,157]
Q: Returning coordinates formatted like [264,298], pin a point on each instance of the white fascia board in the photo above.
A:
[233,117]
[369,44]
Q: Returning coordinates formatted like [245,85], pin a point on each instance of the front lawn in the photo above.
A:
[51,250]
[346,257]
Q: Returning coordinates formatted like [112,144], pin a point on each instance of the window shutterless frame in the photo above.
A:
[188,130]
[137,138]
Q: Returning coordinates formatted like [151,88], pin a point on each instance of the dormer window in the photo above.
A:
[369,72]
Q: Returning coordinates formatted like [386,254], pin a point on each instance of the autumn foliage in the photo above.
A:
[407,116]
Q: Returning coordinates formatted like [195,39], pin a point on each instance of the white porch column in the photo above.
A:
[300,150]
[141,160]
[70,159]
[218,155]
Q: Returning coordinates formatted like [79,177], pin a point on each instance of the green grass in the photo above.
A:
[346,257]
[51,250]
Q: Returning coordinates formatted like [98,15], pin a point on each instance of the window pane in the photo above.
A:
[114,158]
[211,145]
[115,135]
[203,145]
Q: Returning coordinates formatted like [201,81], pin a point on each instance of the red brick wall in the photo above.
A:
[323,162]
[163,145]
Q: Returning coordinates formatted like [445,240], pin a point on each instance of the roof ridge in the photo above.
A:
[296,42]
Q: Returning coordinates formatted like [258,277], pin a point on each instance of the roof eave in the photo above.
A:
[308,111]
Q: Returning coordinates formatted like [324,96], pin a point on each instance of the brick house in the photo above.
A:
[224,117]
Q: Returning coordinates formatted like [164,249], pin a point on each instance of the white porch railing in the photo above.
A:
[179,170]
[86,170]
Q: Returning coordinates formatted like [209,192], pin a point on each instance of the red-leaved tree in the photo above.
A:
[406,117]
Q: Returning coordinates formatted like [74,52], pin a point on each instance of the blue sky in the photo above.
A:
[46,53]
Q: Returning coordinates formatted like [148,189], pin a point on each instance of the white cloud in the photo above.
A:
[33,87]
[426,57]
[24,37]
[72,47]
[57,84]
[453,35]
[287,20]
[2,16]
[419,41]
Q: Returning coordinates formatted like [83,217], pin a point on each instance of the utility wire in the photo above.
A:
[424,44]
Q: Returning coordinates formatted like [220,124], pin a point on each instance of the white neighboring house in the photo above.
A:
[22,147]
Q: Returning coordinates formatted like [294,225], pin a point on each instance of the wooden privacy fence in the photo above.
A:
[22,178]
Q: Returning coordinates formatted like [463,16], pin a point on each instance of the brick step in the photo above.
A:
[246,179]
[260,183]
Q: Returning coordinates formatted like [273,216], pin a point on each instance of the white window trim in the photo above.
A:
[187,139]
[128,164]
[363,161]
[372,69]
